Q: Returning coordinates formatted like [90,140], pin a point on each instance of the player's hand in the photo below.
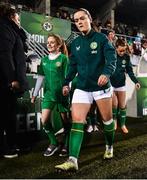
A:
[65,90]
[102,80]
[33,99]
[15,85]
[137,85]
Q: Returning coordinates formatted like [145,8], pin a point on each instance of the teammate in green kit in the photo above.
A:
[93,59]
[118,79]
[52,71]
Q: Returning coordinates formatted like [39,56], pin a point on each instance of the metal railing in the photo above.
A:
[73,36]
[36,47]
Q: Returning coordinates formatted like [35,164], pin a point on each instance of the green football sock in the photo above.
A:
[50,133]
[115,113]
[122,117]
[93,119]
[109,132]
[76,138]
[88,120]
[67,127]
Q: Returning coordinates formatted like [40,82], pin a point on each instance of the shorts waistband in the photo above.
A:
[104,91]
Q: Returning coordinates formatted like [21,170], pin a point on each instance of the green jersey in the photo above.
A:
[54,72]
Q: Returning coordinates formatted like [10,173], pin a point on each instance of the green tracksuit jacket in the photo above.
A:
[91,56]
[123,66]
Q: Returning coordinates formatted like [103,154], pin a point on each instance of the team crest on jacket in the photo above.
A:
[123,61]
[93,45]
[58,64]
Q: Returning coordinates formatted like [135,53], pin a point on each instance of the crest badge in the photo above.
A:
[47,26]
[123,61]
[58,64]
[93,45]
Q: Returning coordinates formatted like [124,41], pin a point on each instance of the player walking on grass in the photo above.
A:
[53,70]
[93,60]
[118,81]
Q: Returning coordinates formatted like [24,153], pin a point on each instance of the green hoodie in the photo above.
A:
[91,56]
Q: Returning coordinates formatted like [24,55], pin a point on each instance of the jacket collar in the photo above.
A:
[90,34]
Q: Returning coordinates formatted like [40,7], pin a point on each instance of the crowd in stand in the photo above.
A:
[119,28]
[63,15]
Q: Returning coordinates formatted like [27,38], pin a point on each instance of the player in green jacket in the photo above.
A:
[53,70]
[118,81]
[93,59]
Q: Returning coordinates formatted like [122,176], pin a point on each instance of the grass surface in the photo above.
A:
[130,157]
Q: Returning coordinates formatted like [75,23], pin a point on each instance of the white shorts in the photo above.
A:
[81,96]
[123,88]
